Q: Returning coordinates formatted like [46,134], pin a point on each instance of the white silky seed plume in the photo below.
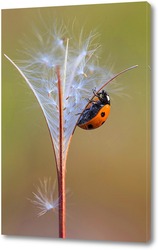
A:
[79,72]
[43,197]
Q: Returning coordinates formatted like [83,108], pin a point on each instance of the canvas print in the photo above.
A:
[76,122]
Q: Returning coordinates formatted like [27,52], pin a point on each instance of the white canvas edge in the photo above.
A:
[9,242]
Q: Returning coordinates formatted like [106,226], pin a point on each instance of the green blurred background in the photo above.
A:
[108,169]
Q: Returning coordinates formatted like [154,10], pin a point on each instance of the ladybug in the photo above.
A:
[96,112]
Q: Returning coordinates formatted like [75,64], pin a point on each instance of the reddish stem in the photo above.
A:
[61,166]
[62,204]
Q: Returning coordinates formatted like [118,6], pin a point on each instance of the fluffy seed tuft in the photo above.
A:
[43,197]
[79,73]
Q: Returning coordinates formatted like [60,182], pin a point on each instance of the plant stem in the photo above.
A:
[115,76]
[62,204]
[61,166]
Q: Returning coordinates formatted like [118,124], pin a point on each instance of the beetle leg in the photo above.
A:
[90,100]
[96,94]
[94,91]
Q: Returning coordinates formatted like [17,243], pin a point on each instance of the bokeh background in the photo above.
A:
[108,169]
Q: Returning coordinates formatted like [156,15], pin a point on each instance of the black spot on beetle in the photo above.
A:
[90,126]
[102,114]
